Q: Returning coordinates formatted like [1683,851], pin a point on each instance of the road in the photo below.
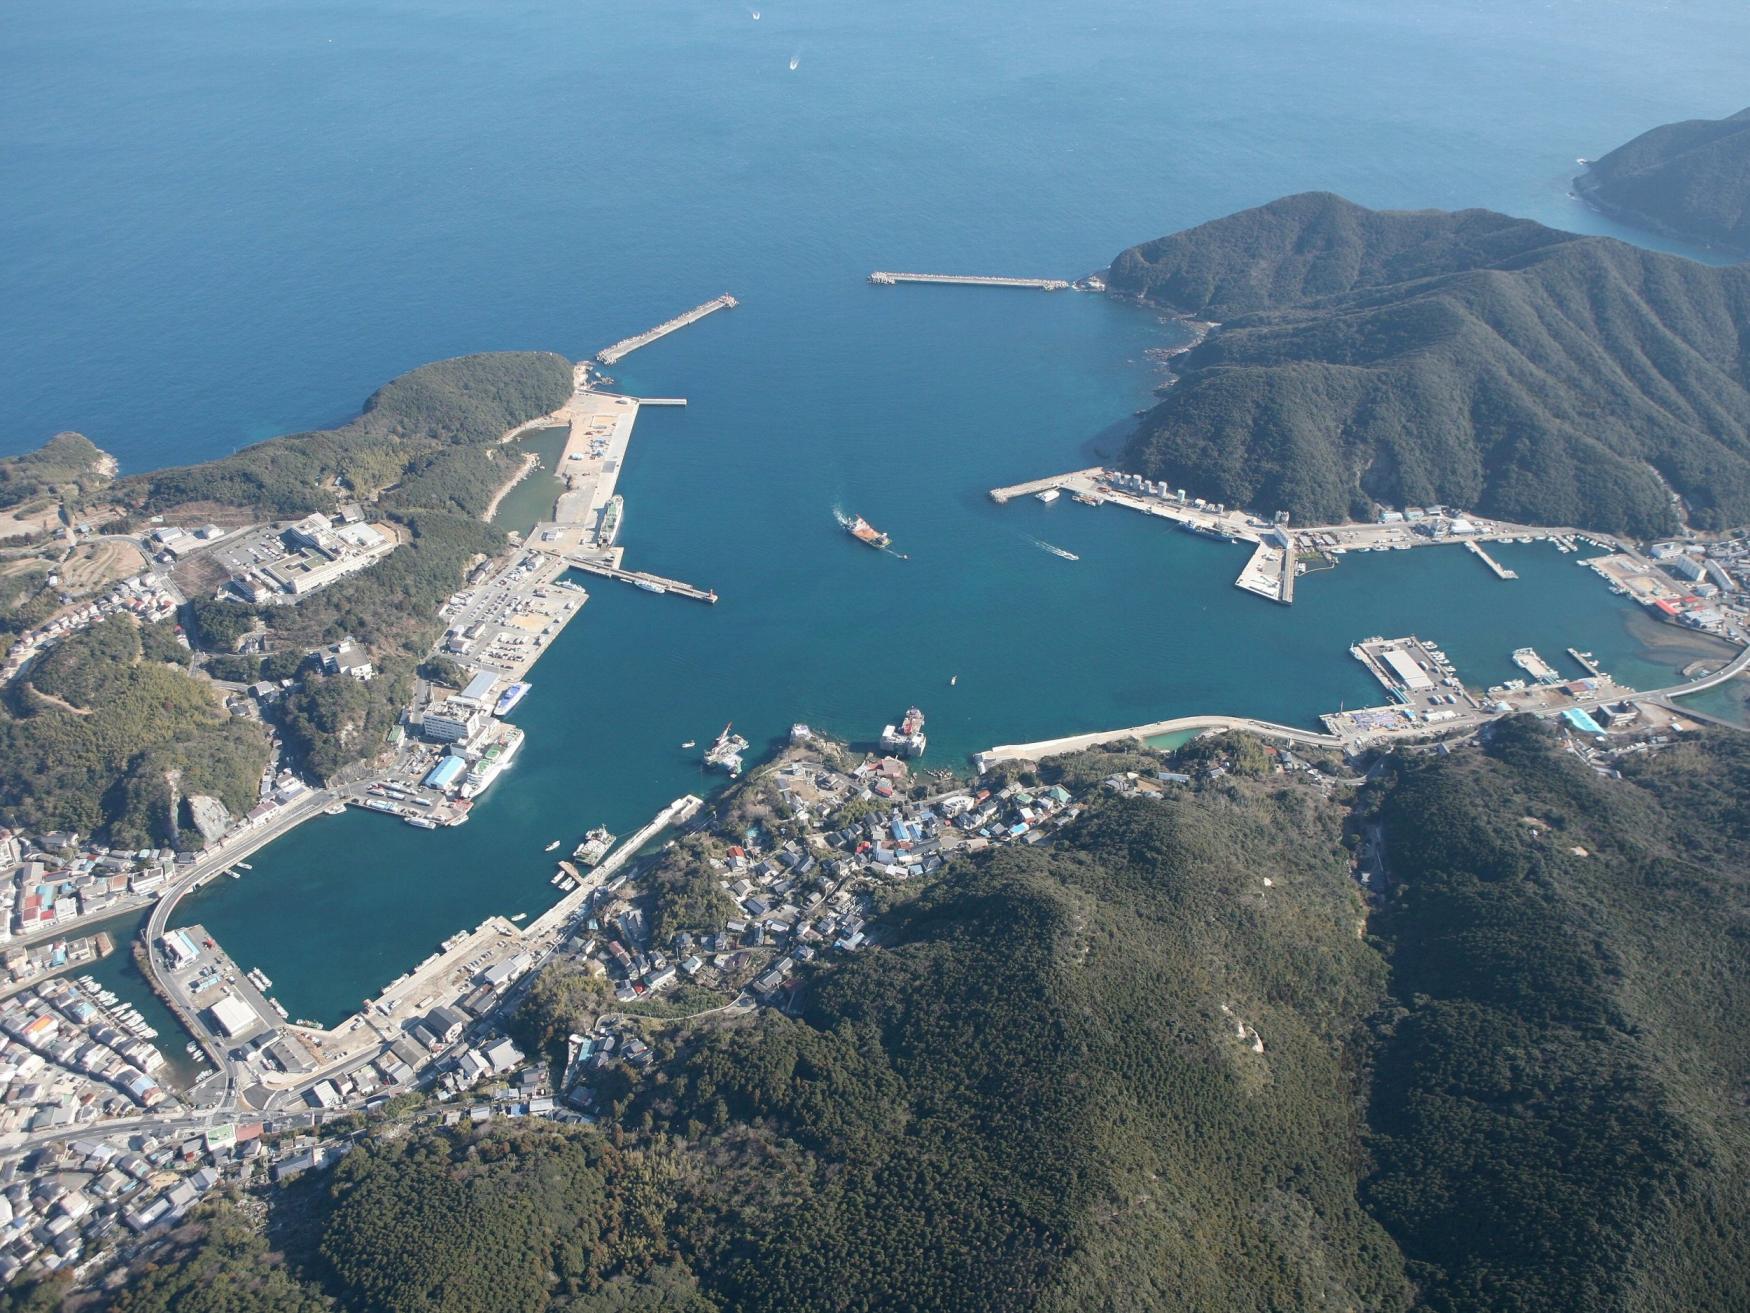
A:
[1076,742]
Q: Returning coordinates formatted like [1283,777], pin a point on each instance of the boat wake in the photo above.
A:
[1044,546]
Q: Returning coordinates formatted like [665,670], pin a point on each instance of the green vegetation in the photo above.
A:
[1031,1096]
[426,446]
[1463,359]
[1163,1062]
[218,1265]
[68,464]
[100,738]
[1689,180]
[688,894]
[468,402]
[1557,1100]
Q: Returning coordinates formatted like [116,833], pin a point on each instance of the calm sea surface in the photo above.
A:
[223,221]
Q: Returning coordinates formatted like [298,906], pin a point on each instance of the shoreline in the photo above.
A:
[530,460]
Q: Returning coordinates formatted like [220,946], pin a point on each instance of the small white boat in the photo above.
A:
[520,916]
[551,847]
[690,743]
[953,680]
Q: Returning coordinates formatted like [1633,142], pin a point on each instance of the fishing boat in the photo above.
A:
[864,532]
[953,680]
[690,743]
[594,847]
[552,847]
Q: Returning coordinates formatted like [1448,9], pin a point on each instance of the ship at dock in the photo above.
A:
[907,738]
[594,847]
[1207,531]
[725,753]
[508,699]
[491,764]
[609,528]
[864,532]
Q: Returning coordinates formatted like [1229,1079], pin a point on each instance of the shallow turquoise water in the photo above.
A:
[227,221]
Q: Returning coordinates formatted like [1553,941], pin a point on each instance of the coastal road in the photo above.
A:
[1076,742]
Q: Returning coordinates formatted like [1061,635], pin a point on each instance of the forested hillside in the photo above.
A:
[1163,1063]
[103,735]
[1689,180]
[426,447]
[1558,1110]
[404,428]
[1465,359]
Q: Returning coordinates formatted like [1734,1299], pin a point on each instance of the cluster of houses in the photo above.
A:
[65,1062]
[143,596]
[70,1202]
[1707,593]
[798,889]
[50,881]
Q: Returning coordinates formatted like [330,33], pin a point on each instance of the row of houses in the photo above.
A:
[64,1062]
[143,596]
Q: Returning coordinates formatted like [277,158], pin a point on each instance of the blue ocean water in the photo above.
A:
[227,220]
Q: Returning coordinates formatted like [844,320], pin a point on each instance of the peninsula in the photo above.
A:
[1467,359]
[1688,180]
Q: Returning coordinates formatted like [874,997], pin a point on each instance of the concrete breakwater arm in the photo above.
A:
[1076,742]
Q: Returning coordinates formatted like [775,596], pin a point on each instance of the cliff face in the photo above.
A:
[1689,180]
[1467,359]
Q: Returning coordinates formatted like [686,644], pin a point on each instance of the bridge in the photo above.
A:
[627,345]
[883,278]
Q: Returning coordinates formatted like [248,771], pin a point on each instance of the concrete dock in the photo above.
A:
[554,919]
[882,278]
[626,346]
[1501,572]
[607,569]
[1075,481]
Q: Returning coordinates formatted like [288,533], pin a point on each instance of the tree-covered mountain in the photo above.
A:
[1171,1061]
[1465,359]
[1689,180]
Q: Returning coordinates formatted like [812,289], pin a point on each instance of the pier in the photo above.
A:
[882,278]
[612,355]
[662,401]
[653,582]
[555,917]
[1077,481]
[1501,571]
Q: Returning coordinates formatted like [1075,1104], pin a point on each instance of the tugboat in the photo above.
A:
[594,847]
[864,532]
[726,751]
[907,740]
